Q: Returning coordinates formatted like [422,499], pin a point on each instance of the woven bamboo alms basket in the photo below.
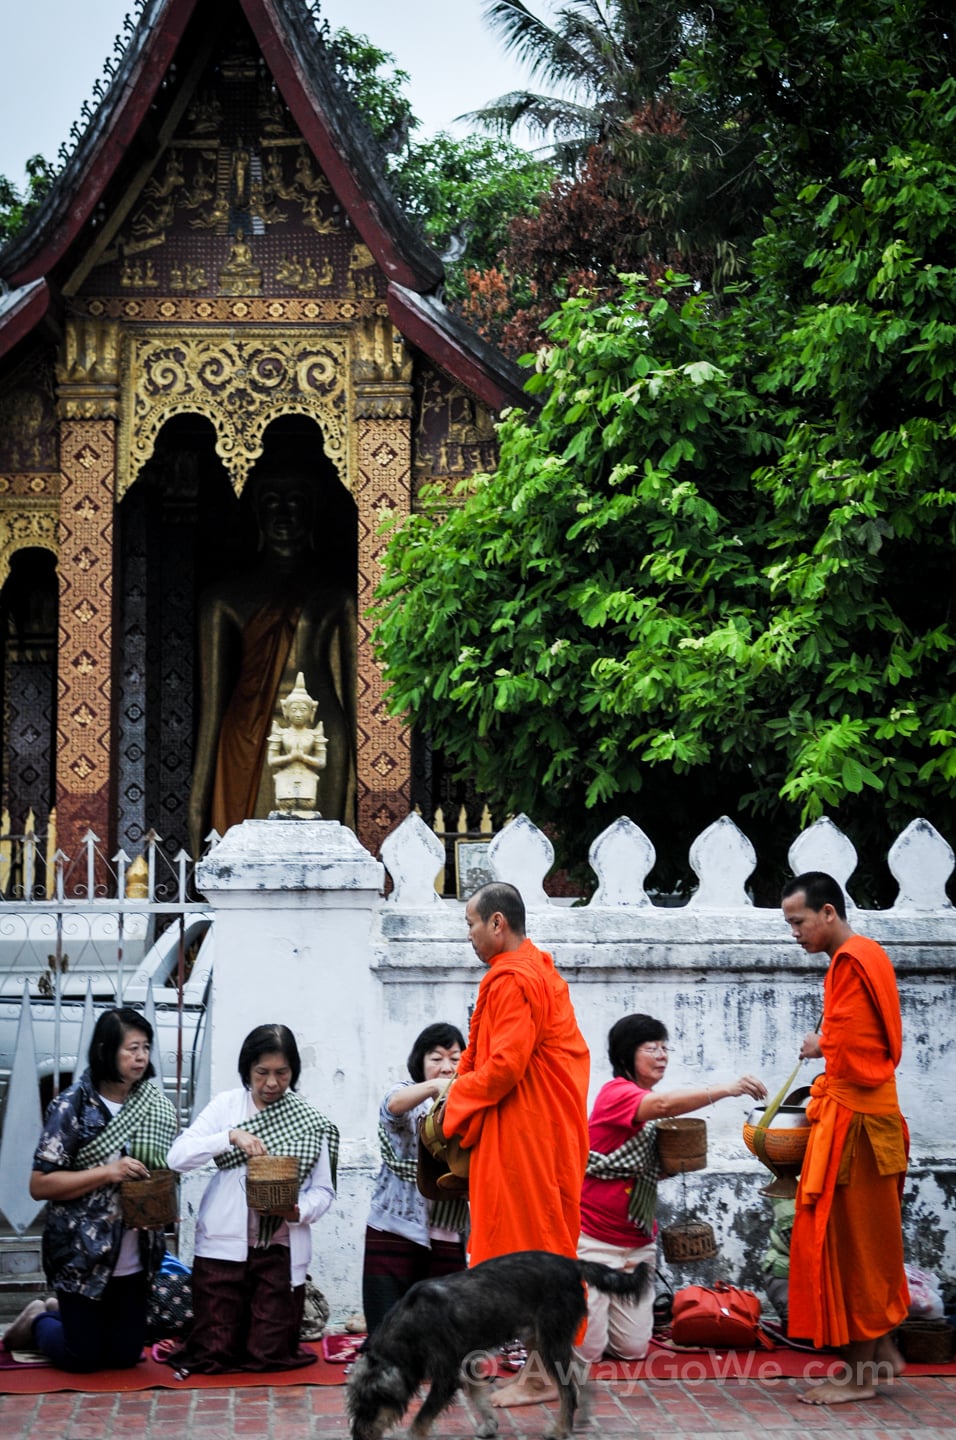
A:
[272,1182]
[689,1240]
[926,1342]
[150,1204]
[682,1144]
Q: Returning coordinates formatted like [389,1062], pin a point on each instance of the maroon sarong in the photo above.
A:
[246,1316]
[393,1264]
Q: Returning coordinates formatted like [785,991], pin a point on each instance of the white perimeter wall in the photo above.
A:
[303,936]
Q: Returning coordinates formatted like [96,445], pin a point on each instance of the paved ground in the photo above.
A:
[923,1409]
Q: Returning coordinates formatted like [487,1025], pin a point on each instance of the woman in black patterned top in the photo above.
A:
[111,1125]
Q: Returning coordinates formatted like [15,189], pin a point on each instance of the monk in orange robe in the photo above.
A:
[847,1282]
[520,1101]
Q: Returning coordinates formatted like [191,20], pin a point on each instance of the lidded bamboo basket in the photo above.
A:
[682,1144]
[272,1182]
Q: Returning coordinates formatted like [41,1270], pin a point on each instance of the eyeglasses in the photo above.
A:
[653,1047]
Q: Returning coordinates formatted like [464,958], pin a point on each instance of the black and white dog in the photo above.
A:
[448,1331]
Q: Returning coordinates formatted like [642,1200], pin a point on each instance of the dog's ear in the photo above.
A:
[391,1385]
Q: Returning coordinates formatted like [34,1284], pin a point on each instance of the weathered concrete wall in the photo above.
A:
[357,977]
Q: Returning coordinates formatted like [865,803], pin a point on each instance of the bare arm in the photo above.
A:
[810,1049]
[71,1184]
[409,1096]
[667,1103]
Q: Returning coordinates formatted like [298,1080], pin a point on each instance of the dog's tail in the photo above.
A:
[630,1285]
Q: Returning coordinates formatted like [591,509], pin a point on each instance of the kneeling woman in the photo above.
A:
[249,1268]
[111,1125]
[409,1238]
[620,1186]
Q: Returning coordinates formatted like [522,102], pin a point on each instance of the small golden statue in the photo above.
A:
[296,754]
[239,276]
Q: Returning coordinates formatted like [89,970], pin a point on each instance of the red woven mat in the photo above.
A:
[16,1379]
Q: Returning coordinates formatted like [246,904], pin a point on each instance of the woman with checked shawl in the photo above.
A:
[619,1195]
[409,1238]
[112,1125]
[249,1268]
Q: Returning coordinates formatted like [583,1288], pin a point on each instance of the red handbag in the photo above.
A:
[724,1318]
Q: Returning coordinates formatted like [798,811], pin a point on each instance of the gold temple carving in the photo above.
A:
[87,369]
[26,525]
[382,370]
[240,384]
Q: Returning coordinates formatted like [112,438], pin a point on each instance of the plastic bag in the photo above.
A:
[926,1300]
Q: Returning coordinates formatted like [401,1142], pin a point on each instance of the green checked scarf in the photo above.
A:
[289,1127]
[145,1126]
[444,1214]
[636,1159]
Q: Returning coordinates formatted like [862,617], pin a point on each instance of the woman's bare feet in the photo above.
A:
[19,1335]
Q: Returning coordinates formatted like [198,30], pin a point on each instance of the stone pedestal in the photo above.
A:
[293,902]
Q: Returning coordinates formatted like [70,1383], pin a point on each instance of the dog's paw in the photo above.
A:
[486,1428]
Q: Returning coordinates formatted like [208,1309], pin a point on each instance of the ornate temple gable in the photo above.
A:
[227,177]
[237,208]
[157,79]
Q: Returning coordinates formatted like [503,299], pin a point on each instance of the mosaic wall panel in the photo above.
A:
[384,752]
[29,701]
[85,638]
[454,434]
[170,646]
[133,817]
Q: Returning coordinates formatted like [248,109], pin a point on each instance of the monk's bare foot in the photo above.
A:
[888,1355]
[531,1386]
[834,1392]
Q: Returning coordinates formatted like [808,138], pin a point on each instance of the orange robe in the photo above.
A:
[846,1252]
[243,737]
[520,1100]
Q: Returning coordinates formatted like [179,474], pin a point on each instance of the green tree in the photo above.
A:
[611,71]
[714,574]
[16,207]
[465,193]
[373,82]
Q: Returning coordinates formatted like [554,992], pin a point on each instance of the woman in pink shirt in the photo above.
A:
[638,1051]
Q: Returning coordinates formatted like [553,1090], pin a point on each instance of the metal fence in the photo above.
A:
[78,937]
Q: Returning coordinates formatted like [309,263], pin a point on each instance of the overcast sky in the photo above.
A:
[52,51]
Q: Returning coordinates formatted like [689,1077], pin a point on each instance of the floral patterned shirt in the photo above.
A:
[82,1237]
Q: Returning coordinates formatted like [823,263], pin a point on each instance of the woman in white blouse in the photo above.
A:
[249,1269]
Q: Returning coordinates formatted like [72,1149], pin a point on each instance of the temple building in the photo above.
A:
[224,363]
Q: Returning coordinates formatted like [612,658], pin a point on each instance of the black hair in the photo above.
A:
[819,889]
[441,1033]
[498,895]
[108,1035]
[269,1040]
[624,1037]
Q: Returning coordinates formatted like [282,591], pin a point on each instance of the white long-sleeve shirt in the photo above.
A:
[225,1220]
